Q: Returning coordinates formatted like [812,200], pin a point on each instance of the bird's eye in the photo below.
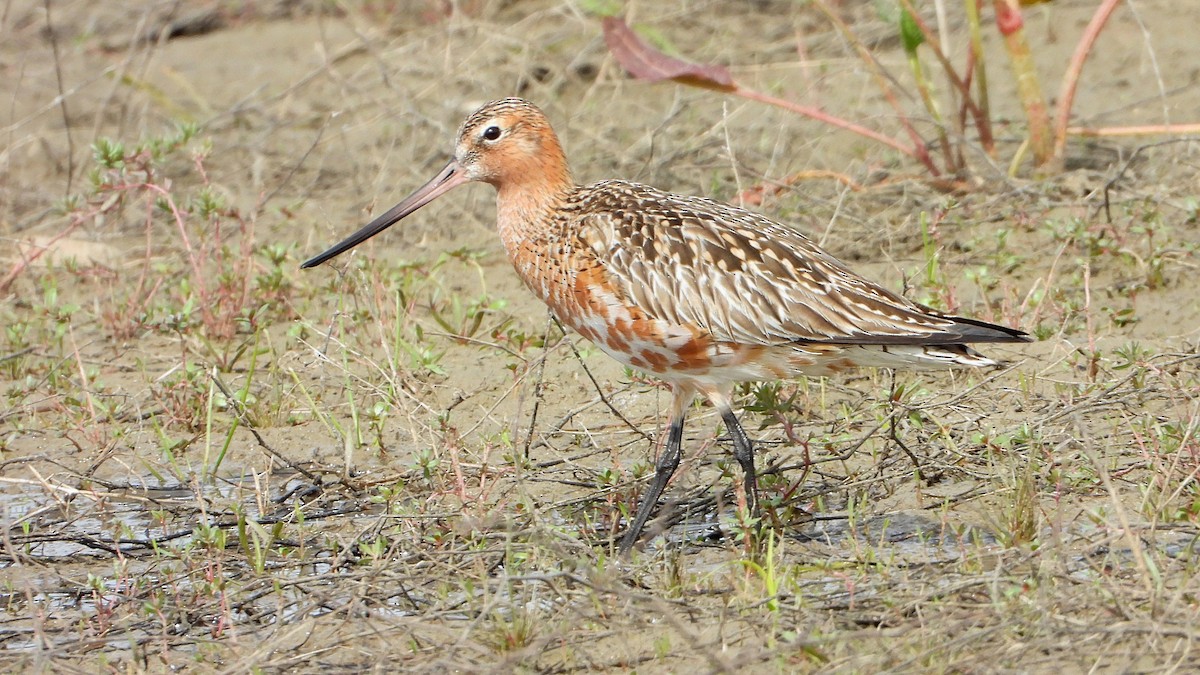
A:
[491,133]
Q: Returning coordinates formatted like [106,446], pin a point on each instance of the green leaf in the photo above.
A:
[910,32]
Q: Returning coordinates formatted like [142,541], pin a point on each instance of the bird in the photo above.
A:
[699,294]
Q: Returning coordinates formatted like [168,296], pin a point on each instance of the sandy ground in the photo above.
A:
[424,473]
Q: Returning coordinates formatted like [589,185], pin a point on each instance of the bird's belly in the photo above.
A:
[678,353]
[646,344]
[702,360]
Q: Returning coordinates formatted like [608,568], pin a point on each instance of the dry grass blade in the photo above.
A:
[210,462]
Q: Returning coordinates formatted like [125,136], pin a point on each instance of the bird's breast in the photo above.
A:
[583,297]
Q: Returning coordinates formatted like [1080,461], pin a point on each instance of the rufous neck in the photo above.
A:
[533,188]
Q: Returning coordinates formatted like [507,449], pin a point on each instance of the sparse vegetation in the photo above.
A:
[212,461]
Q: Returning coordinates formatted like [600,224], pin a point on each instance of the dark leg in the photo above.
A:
[743,451]
[667,463]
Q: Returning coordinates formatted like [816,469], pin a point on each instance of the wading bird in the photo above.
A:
[701,294]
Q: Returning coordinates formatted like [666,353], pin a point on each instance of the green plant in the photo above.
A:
[967,86]
[768,572]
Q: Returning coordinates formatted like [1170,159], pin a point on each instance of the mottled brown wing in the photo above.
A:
[742,277]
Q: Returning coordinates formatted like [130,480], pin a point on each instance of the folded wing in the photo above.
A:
[748,280]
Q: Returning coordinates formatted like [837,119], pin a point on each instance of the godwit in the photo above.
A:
[701,294]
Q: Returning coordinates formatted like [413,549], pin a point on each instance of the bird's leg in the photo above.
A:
[743,451]
[663,469]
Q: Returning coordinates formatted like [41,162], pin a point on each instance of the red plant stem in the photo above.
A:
[206,309]
[922,84]
[1142,130]
[961,119]
[1070,81]
[1008,17]
[1012,27]
[919,152]
[177,215]
[37,251]
[982,124]
[919,147]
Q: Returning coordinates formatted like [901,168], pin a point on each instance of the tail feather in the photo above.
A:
[921,357]
[973,330]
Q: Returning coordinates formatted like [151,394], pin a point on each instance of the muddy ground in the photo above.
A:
[213,461]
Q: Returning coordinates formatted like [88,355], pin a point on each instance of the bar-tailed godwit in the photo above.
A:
[701,294]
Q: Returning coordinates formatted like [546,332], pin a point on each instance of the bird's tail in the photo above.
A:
[921,357]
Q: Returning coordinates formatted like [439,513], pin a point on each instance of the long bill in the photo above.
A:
[448,178]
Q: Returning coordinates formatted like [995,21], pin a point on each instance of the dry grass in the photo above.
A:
[212,461]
